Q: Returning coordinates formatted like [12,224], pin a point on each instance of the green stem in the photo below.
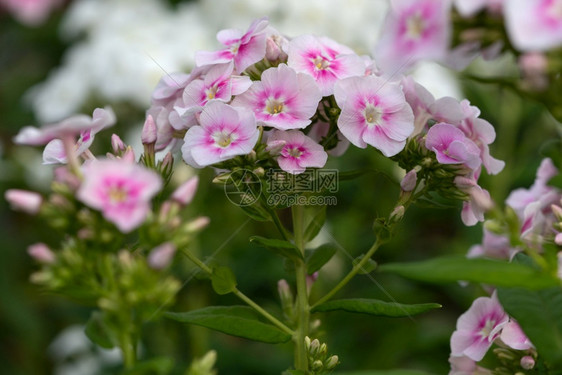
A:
[303,310]
[242,296]
[129,349]
[358,267]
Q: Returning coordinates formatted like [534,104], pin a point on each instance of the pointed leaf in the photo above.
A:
[256,212]
[539,313]
[376,307]
[279,247]
[98,332]
[240,321]
[319,257]
[479,270]
[223,280]
[155,366]
[316,216]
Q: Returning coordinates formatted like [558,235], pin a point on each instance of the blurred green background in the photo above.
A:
[30,319]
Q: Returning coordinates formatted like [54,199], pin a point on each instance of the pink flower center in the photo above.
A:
[223,138]
[211,92]
[234,48]
[274,106]
[415,26]
[372,114]
[294,152]
[117,194]
[321,63]
[488,328]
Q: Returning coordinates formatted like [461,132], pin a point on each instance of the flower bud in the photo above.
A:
[307,343]
[23,200]
[161,257]
[314,347]
[558,239]
[167,164]
[259,171]
[149,131]
[222,178]
[557,210]
[527,362]
[323,350]
[41,253]
[408,183]
[197,224]
[117,144]
[332,362]
[129,155]
[273,48]
[397,214]
[185,192]
[317,365]
[310,279]
[275,147]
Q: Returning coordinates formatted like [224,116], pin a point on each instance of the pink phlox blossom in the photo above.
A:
[224,132]
[161,256]
[122,191]
[283,99]
[320,130]
[520,198]
[465,366]
[185,192]
[513,336]
[30,12]
[275,47]
[299,152]
[409,181]
[493,245]
[468,8]
[478,327]
[218,83]
[244,49]
[479,199]
[54,152]
[324,59]
[24,200]
[534,25]
[414,30]
[41,253]
[451,146]
[70,127]
[374,112]
[482,133]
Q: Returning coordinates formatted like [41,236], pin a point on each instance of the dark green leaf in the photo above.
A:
[98,332]
[553,150]
[539,313]
[155,366]
[315,218]
[279,247]
[376,307]
[319,256]
[479,270]
[257,212]
[240,321]
[367,267]
[223,280]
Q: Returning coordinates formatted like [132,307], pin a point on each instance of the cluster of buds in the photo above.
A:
[318,360]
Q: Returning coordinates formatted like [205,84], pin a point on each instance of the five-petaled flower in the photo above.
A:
[299,151]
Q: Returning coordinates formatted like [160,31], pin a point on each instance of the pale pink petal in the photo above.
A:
[54,153]
[513,336]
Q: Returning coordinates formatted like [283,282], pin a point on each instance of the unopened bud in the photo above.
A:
[317,365]
[23,200]
[307,343]
[185,192]
[160,257]
[397,214]
[197,224]
[557,210]
[332,362]
[314,346]
[259,171]
[222,178]
[310,279]
[558,239]
[117,144]
[275,147]
[129,155]
[273,48]
[408,183]
[149,131]
[41,253]
[285,293]
[252,156]
[527,362]
[323,350]
[167,163]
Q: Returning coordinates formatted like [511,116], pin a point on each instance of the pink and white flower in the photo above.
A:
[185,192]
[244,49]
[479,200]
[283,99]
[120,190]
[224,132]
[534,25]
[161,256]
[451,146]
[374,112]
[414,30]
[478,327]
[324,59]
[493,246]
[30,12]
[513,336]
[299,151]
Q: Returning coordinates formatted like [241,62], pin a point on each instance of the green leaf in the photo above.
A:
[319,257]
[257,212]
[367,267]
[539,313]
[315,218]
[478,270]
[98,332]
[553,150]
[293,372]
[240,321]
[155,366]
[223,280]
[279,247]
[376,307]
